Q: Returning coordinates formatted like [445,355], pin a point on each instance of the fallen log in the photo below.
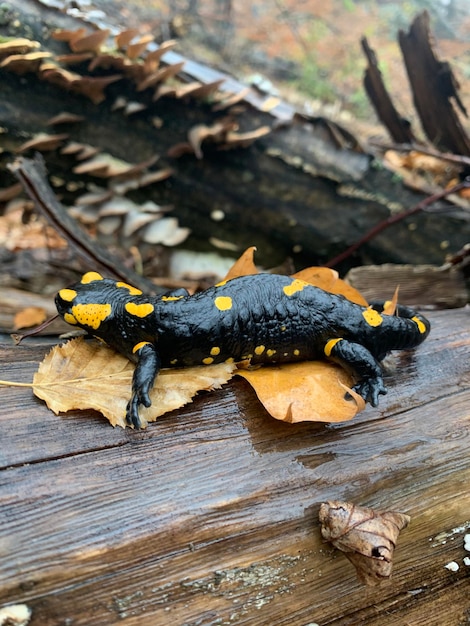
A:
[210,515]
[293,186]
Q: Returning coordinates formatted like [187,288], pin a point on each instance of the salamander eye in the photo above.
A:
[64,300]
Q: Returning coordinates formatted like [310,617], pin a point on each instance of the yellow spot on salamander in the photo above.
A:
[295,286]
[139,310]
[139,345]
[173,361]
[223,303]
[91,314]
[89,277]
[230,360]
[330,345]
[208,360]
[373,318]
[68,295]
[69,318]
[215,351]
[171,298]
[132,290]
[221,284]
[270,352]
[259,350]
[283,328]
[421,326]
[296,352]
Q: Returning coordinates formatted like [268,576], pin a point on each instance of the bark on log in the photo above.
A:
[397,126]
[304,190]
[433,85]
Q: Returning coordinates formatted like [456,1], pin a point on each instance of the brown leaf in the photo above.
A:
[391,305]
[310,391]
[322,277]
[29,317]
[328,279]
[367,537]
[89,375]
[244,266]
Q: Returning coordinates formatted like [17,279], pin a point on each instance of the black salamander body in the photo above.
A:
[263,318]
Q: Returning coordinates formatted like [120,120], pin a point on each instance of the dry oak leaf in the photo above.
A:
[367,537]
[88,375]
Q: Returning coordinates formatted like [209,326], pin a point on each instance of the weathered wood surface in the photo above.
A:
[210,515]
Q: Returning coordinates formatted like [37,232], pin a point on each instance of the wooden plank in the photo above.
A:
[210,515]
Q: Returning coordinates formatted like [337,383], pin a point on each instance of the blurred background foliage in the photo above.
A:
[309,50]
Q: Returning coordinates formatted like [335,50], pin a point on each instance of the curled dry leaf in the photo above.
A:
[89,375]
[367,537]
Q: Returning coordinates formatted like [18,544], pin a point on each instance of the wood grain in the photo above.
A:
[210,515]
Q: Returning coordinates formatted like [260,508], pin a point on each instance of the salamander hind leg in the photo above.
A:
[356,359]
[147,368]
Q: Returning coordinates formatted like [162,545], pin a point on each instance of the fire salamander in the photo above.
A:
[265,318]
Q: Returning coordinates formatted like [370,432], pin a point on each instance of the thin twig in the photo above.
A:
[394,219]
[18,337]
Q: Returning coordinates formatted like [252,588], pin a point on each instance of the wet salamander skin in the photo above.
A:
[266,318]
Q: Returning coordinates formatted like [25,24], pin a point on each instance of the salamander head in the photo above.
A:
[406,329]
[88,303]
[111,310]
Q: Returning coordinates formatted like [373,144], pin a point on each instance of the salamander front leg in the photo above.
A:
[360,362]
[147,368]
